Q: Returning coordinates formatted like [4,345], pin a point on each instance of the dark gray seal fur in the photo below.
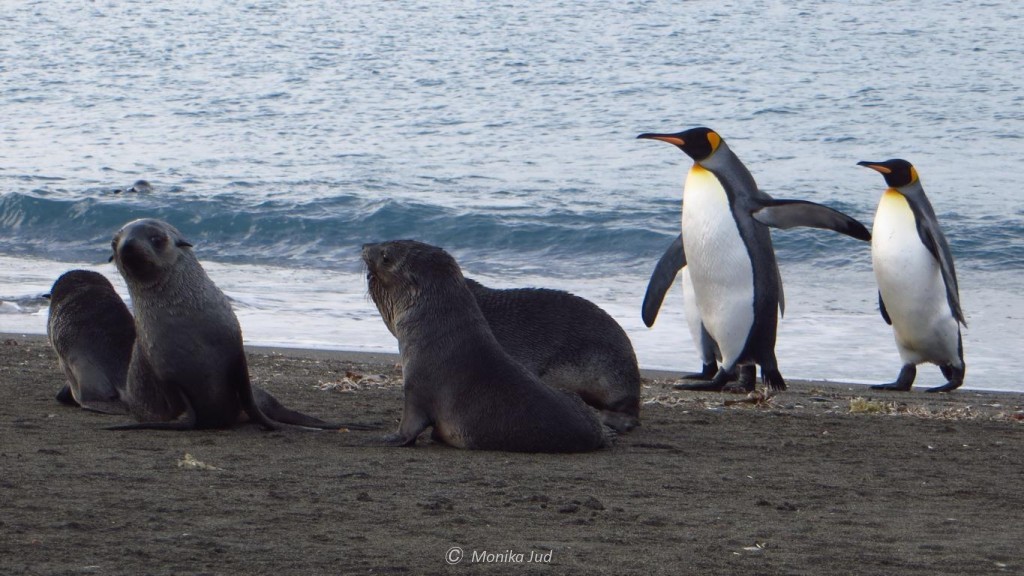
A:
[569,343]
[188,356]
[92,332]
[458,378]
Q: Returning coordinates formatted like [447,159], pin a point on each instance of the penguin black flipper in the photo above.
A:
[935,241]
[792,213]
[881,308]
[672,261]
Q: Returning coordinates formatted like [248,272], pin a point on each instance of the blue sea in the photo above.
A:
[280,136]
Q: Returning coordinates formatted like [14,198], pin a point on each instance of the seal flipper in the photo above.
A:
[792,213]
[240,375]
[189,422]
[414,421]
[277,412]
[881,308]
[65,397]
[671,262]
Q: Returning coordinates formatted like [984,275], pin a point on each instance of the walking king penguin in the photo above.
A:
[727,248]
[673,263]
[917,289]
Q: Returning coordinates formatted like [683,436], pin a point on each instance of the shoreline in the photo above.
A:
[363,357]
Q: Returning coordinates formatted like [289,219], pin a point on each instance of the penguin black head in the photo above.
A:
[897,172]
[698,143]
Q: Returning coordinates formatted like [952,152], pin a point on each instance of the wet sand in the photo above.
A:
[822,479]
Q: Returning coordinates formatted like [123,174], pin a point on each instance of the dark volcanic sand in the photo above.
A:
[801,485]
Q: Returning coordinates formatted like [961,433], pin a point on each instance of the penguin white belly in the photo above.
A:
[690,309]
[910,282]
[719,264]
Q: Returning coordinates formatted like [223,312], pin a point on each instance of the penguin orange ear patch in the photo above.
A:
[913,174]
[714,140]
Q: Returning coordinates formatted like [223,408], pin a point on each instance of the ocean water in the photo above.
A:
[280,136]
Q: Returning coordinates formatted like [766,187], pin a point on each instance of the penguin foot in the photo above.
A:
[697,376]
[699,387]
[737,388]
[894,386]
[707,372]
[947,387]
[903,382]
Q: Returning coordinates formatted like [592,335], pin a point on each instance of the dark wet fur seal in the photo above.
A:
[569,343]
[188,356]
[92,332]
[458,379]
[139,187]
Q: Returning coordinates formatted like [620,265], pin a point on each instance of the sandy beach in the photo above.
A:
[822,479]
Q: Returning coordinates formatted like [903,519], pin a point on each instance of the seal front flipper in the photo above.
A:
[792,213]
[671,262]
[240,375]
[65,396]
[414,421]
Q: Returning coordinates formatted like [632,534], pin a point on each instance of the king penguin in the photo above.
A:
[917,288]
[672,263]
[727,248]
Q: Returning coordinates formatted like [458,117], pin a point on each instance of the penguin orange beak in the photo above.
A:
[670,138]
[875,166]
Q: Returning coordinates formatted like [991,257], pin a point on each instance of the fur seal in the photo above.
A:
[457,377]
[188,356]
[139,187]
[569,343]
[92,332]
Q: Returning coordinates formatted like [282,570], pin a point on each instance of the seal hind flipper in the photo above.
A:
[671,262]
[793,213]
[278,412]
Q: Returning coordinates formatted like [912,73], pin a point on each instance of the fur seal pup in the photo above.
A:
[728,249]
[458,379]
[917,287]
[92,332]
[188,356]
[569,343]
